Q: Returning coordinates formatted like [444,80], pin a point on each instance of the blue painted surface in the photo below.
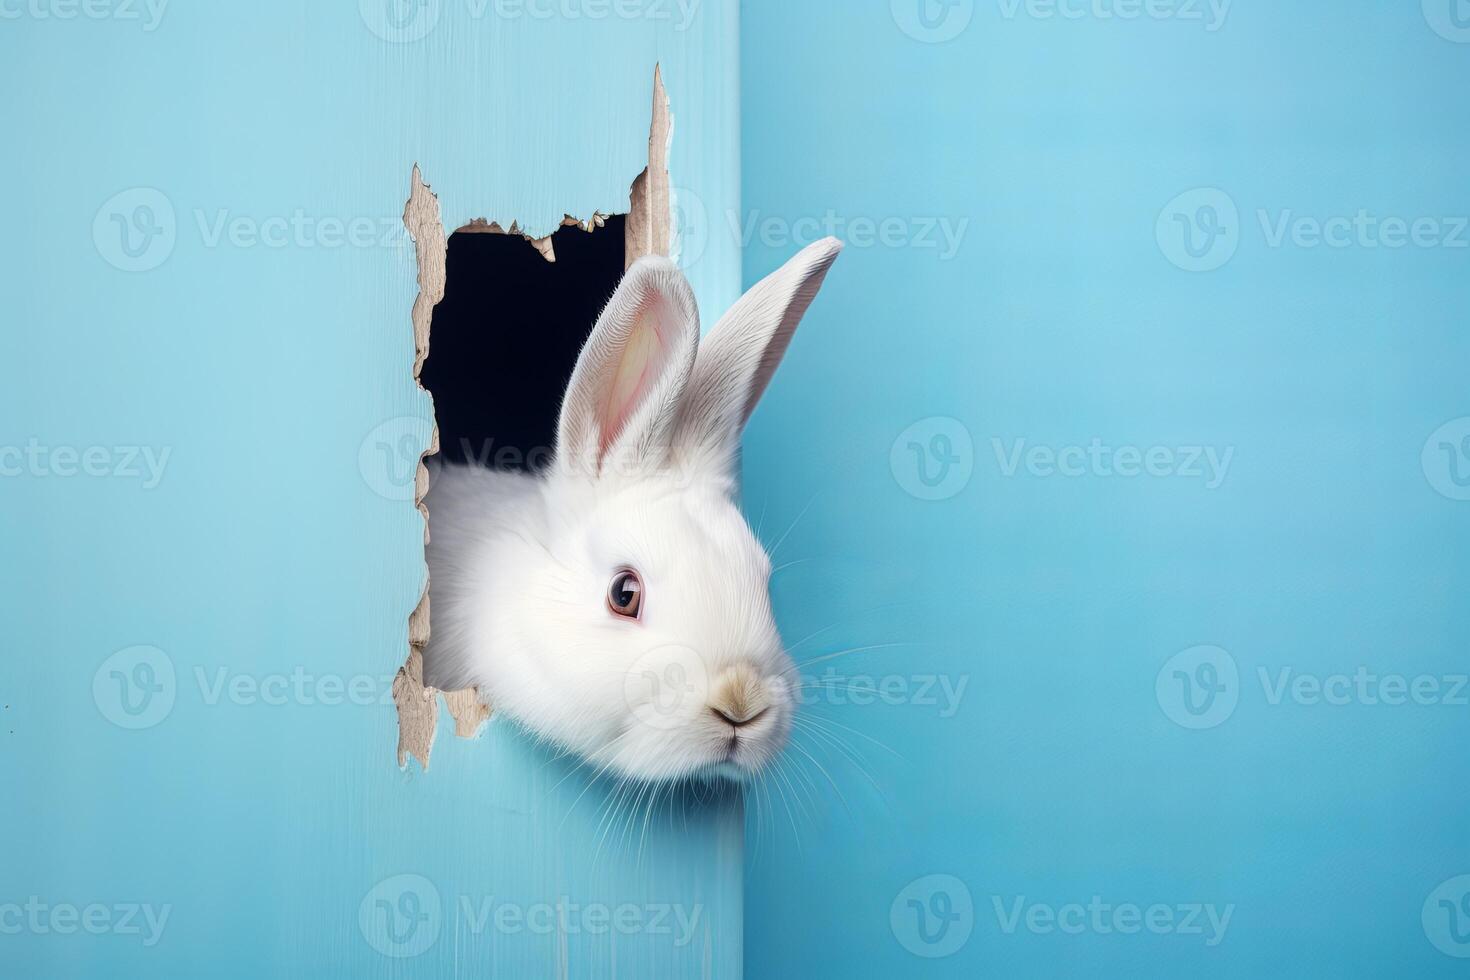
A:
[259,338]
[1337,539]
[1035,174]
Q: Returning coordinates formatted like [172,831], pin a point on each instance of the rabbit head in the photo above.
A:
[643,633]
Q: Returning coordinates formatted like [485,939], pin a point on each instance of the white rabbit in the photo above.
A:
[617,604]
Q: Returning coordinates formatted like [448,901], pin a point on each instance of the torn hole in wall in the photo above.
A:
[496,386]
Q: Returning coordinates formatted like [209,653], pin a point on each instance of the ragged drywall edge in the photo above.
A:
[417,710]
[467,710]
[421,218]
[417,704]
[649,227]
[542,244]
[647,232]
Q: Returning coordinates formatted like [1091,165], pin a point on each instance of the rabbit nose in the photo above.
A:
[736,720]
[738,696]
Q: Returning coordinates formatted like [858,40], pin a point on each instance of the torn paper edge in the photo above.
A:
[542,244]
[649,225]
[647,231]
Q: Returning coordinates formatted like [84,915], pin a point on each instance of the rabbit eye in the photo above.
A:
[625,594]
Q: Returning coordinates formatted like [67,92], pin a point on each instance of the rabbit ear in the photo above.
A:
[737,359]
[624,392]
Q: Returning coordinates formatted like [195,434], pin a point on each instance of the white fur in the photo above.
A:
[644,476]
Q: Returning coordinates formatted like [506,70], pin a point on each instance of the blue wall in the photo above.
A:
[260,339]
[1073,709]
[1076,763]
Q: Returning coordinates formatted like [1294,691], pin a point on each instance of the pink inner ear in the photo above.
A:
[642,362]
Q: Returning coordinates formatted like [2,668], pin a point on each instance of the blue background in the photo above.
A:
[1037,744]
[1062,319]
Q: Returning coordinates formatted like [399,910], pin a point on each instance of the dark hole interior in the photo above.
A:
[505,337]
